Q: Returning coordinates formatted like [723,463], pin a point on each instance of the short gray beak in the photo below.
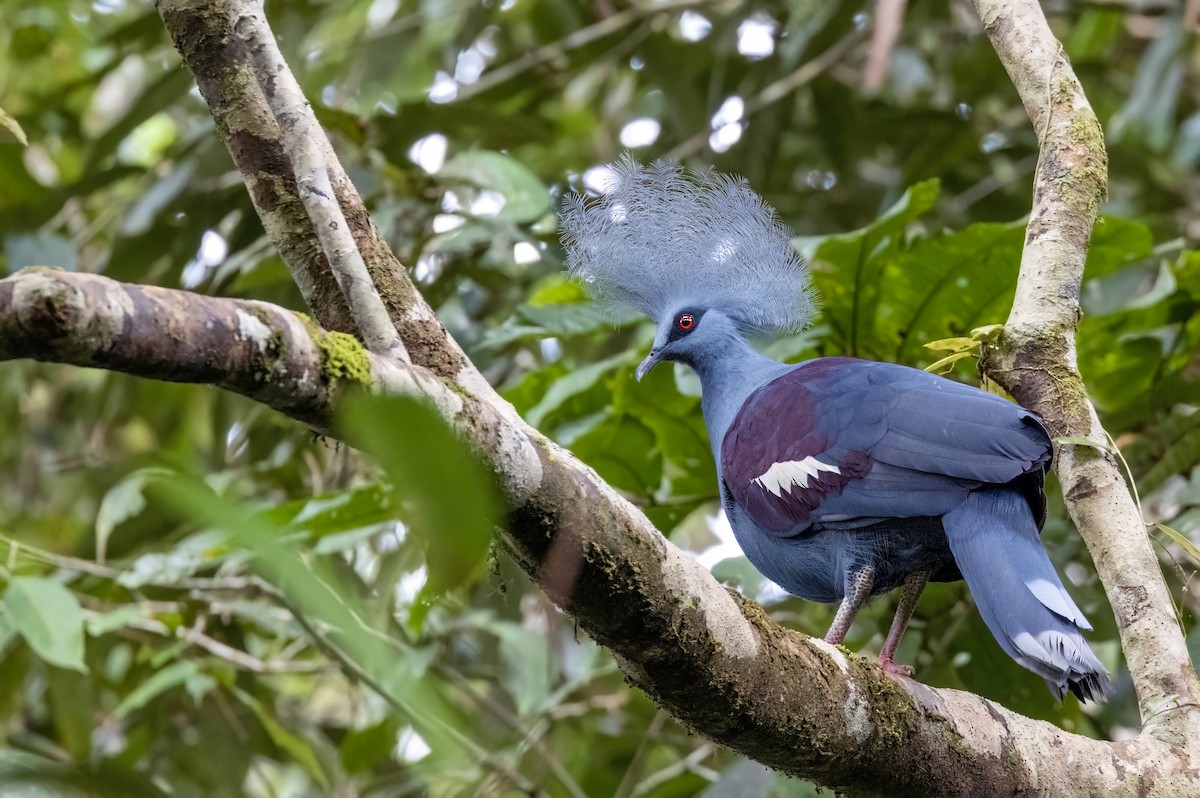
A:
[647,364]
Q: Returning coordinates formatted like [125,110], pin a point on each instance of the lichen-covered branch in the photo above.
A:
[259,350]
[710,657]
[1035,360]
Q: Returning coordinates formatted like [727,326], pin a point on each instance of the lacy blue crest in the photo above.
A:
[663,237]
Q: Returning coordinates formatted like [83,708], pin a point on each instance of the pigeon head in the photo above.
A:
[688,336]
[678,244]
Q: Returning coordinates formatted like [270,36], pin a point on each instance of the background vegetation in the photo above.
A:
[201,598]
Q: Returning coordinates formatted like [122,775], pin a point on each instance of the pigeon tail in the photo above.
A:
[995,543]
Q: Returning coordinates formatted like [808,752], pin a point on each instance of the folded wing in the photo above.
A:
[845,440]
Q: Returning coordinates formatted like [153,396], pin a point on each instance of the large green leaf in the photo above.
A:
[183,673]
[445,494]
[849,268]
[48,616]
[525,198]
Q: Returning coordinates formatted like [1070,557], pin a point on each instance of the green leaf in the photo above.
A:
[560,321]
[952,344]
[573,383]
[623,451]
[987,333]
[50,619]
[124,501]
[445,492]
[1116,242]
[330,607]
[71,705]
[335,513]
[1182,541]
[738,572]
[951,282]
[362,749]
[177,674]
[26,775]
[945,364]
[12,126]
[849,268]
[103,623]
[557,289]
[1080,440]
[525,198]
[296,747]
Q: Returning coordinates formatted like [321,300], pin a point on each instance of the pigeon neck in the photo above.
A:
[729,372]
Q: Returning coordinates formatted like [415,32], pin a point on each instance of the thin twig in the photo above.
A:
[889,18]
[236,657]
[634,772]
[689,764]
[989,184]
[358,673]
[513,722]
[65,562]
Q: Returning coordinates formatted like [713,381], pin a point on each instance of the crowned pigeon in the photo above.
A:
[842,479]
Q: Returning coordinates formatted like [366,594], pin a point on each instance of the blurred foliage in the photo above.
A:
[201,598]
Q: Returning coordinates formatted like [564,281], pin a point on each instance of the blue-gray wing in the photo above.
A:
[840,440]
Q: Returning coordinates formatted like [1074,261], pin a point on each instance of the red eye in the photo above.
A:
[686,321]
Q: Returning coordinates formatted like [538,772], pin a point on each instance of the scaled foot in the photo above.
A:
[895,667]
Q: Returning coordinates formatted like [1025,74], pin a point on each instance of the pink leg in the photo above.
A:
[913,586]
[858,590]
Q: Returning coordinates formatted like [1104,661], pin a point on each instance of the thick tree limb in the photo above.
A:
[253,348]
[1035,360]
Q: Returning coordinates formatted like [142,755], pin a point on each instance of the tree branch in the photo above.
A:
[708,656]
[259,350]
[302,135]
[1035,359]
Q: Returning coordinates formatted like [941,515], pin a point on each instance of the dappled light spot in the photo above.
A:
[756,36]
[693,26]
[444,88]
[725,137]
[641,132]
[429,152]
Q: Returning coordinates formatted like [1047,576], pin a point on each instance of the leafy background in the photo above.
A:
[201,598]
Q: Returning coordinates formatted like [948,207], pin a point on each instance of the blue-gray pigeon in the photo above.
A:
[842,478]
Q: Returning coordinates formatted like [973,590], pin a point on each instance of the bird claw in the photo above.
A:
[896,667]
